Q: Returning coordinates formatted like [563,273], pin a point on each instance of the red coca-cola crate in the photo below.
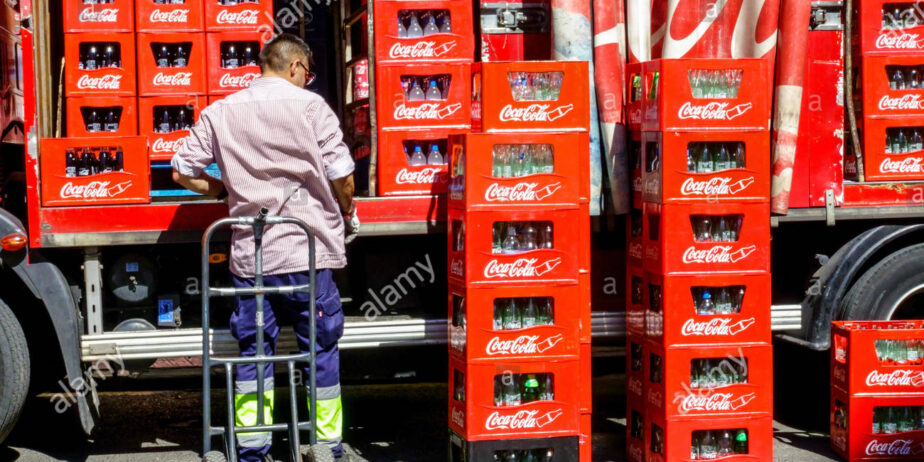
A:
[474,337]
[186,80]
[635,246]
[82,16]
[585,382]
[564,448]
[154,16]
[481,186]
[476,417]
[879,137]
[876,39]
[673,391]
[671,246]
[636,300]
[472,261]
[117,80]
[397,177]
[254,15]
[398,112]
[224,81]
[882,95]
[585,438]
[635,166]
[637,361]
[671,440]
[505,99]
[80,116]
[682,97]
[636,427]
[457,45]
[635,95]
[163,145]
[857,423]
[858,366]
[677,320]
[583,305]
[666,176]
[129,186]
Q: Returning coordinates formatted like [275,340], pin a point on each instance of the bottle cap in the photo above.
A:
[434,147]
[741,436]
[531,383]
[433,83]
[417,148]
[706,294]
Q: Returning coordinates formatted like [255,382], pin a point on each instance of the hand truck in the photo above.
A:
[314,452]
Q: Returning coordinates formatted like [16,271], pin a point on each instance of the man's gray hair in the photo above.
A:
[279,52]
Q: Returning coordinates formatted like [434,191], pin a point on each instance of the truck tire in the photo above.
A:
[882,288]
[14,370]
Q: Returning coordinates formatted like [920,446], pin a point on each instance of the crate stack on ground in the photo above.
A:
[699,362]
[519,261]
[424,52]
[877,390]
[146,68]
[889,92]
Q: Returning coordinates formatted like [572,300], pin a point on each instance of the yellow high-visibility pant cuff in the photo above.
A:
[245,415]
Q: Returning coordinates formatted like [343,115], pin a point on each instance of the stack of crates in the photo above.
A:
[877,390]
[424,52]
[146,68]
[519,261]
[699,362]
[889,92]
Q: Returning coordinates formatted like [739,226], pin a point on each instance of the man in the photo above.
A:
[279,146]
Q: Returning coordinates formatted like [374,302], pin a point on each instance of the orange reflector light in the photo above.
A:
[13,242]
[218,258]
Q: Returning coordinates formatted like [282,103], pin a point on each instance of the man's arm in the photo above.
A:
[194,155]
[203,184]
[343,190]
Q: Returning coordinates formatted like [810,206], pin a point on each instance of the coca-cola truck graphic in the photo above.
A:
[130,185]
[538,96]
[479,416]
[705,166]
[99,64]
[546,324]
[112,16]
[453,42]
[160,16]
[171,64]
[490,177]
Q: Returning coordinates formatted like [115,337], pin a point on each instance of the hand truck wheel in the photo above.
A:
[214,456]
[317,453]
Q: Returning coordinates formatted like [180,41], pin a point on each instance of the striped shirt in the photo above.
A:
[277,146]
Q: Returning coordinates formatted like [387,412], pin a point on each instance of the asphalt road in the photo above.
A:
[392,422]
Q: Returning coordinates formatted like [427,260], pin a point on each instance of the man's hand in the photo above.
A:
[351,225]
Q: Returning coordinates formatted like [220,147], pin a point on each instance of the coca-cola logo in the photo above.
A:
[652,186]
[522,345]
[426,111]
[636,454]
[172,80]
[244,17]
[899,447]
[172,16]
[428,175]
[634,385]
[521,420]
[716,326]
[520,192]
[161,145]
[889,40]
[635,116]
[896,378]
[656,397]
[717,254]
[635,250]
[716,186]
[840,374]
[93,15]
[901,103]
[106,82]
[534,113]
[457,267]
[716,402]
[520,268]
[458,417]
[906,165]
[423,49]
[237,81]
[93,190]
[712,111]
[637,184]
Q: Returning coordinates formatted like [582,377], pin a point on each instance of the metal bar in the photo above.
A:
[206,350]
[266,290]
[294,443]
[268,359]
[280,427]
[313,365]
[93,290]
[232,438]
[258,284]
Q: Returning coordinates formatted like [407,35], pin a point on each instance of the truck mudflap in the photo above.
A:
[831,282]
[47,283]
